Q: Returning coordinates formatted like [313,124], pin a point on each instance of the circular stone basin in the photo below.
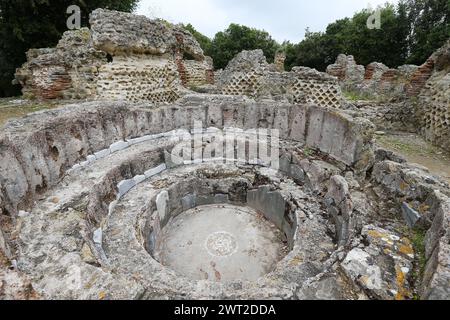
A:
[221,243]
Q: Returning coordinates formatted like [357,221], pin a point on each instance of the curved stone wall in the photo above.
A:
[35,155]
[82,184]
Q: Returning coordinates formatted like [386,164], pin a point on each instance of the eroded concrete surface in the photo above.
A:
[221,243]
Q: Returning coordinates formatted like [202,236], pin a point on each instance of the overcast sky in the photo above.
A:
[283,19]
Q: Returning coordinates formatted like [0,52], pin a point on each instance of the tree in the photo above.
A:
[26,24]
[404,31]
[337,38]
[290,50]
[236,38]
[351,36]
[430,27]
[387,45]
[312,51]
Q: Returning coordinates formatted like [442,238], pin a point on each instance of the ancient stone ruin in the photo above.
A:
[249,74]
[428,87]
[118,61]
[108,198]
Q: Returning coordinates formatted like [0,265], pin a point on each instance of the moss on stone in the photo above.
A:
[356,96]
[417,237]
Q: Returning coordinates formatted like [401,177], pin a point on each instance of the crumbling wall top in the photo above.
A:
[74,48]
[119,32]
[246,61]
[309,73]
[187,43]
[442,57]
[346,69]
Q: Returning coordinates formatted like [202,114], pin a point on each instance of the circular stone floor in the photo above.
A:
[221,243]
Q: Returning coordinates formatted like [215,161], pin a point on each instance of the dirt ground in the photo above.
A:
[416,150]
[11,108]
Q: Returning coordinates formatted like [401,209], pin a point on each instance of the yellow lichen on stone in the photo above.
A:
[406,249]
[91,282]
[384,237]
[86,254]
[423,208]
[102,295]
[403,186]
[406,241]
[364,280]
[296,261]
[402,293]
[375,234]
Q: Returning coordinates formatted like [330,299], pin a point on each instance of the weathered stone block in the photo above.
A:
[271,204]
[4,247]
[162,205]
[154,171]
[410,215]
[118,146]
[118,32]
[125,186]
[188,202]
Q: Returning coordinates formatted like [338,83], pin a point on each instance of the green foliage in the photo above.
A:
[290,50]
[357,96]
[313,51]
[308,152]
[370,45]
[236,38]
[430,25]
[227,44]
[351,36]
[26,24]
[418,241]
[410,32]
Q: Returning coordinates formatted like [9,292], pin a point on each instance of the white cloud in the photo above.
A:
[283,19]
